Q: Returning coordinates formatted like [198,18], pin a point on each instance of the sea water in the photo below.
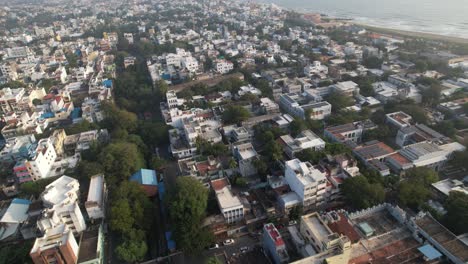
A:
[443,17]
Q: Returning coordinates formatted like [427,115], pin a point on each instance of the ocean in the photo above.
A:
[443,17]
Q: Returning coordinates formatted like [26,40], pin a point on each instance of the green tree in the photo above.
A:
[338,101]
[121,218]
[234,114]
[120,160]
[296,212]
[456,218]
[297,126]
[362,194]
[187,207]
[310,155]
[132,251]
[415,189]
[273,151]
[119,118]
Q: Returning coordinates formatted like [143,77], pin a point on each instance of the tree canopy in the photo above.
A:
[187,207]
[360,193]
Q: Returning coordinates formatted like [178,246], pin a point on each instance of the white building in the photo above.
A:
[61,199]
[95,204]
[11,100]
[190,63]
[348,88]
[129,38]
[230,205]
[291,103]
[18,52]
[305,140]
[41,164]
[316,68]
[308,182]
[224,66]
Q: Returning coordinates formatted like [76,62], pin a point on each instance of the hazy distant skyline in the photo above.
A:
[448,17]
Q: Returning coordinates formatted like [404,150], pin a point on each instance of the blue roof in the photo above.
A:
[171,245]
[20,201]
[107,83]
[75,113]
[161,190]
[145,177]
[47,115]
[430,252]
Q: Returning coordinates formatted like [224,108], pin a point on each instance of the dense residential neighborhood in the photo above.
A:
[211,131]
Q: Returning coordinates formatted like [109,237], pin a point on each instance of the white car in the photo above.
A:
[214,246]
[228,242]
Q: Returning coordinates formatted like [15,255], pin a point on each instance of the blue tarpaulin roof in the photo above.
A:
[47,115]
[75,113]
[430,252]
[107,83]
[171,245]
[20,201]
[161,190]
[145,177]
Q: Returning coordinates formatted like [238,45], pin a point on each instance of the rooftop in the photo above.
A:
[145,177]
[89,246]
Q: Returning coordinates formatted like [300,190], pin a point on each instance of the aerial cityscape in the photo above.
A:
[233,131]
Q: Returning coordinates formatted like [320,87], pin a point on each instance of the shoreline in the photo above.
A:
[411,34]
[386,30]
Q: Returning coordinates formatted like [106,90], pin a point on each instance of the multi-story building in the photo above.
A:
[190,63]
[274,244]
[307,181]
[298,106]
[8,70]
[61,201]
[18,52]
[305,140]
[317,233]
[230,205]
[316,68]
[224,66]
[95,204]
[399,119]
[40,165]
[58,245]
[347,132]
[245,154]
[11,99]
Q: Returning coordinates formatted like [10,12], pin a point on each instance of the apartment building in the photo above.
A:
[274,244]
[230,205]
[319,235]
[307,181]
[297,105]
[245,154]
[224,66]
[61,201]
[41,163]
[58,245]
[11,100]
[305,140]
[347,132]
[316,68]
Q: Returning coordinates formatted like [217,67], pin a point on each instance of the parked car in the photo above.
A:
[228,242]
[294,222]
[244,249]
[214,246]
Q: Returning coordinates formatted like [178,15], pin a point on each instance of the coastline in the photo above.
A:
[386,30]
[411,34]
